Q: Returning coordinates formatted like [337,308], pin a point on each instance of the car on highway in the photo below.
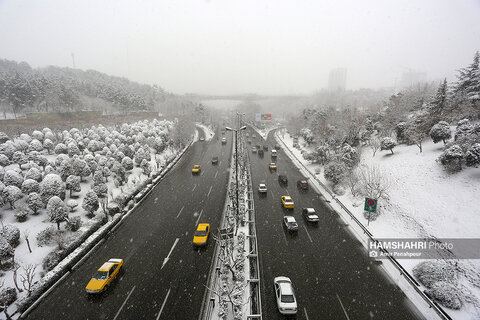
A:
[104,276]
[247,134]
[224,140]
[290,223]
[223,131]
[254,136]
[265,147]
[285,295]
[302,185]
[196,169]
[274,153]
[254,150]
[277,147]
[202,139]
[287,202]
[260,153]
[310,215]
[283,180]
[262,188]
[200,237]
[249,140]
[272,166]
[215,160]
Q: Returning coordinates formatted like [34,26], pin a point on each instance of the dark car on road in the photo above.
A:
[215,160]
[265,147]
[260,153]
[302,185]
[290,224]
[282,179]
[310,215]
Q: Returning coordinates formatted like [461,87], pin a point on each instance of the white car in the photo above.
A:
[254,150]
[262,188]
[202,139]
[286,301]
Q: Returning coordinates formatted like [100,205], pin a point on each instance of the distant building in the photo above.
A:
[337,81]
[411,78]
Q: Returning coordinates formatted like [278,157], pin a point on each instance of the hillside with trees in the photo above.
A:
[53,89]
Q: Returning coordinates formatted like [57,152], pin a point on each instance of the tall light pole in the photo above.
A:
[236,172]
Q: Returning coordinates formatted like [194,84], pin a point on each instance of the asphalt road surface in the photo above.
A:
[151,287]
[331,273]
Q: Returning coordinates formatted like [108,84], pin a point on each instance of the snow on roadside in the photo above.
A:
[208,131]
[423,200]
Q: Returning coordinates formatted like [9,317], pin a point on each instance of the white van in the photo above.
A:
[274,153]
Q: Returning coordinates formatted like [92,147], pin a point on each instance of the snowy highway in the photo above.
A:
[163,276]
[332,275]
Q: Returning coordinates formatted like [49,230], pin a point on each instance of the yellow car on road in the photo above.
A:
[287,202]
[104,276]
[200,237]
[272,166]
[196,168]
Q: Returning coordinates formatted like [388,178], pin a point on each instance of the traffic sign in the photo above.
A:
[370,205]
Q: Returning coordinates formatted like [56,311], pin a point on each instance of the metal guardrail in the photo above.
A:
[254,276]
[410,279]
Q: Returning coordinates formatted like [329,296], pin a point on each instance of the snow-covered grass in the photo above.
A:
[423,200]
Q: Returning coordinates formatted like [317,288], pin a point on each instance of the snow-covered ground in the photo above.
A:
[423,200]
[208,131]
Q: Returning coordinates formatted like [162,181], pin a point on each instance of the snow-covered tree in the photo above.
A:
[11,194]
[25,137]
[100,189]
[145,165]
[387,143]
[72,204]
[350,156]
[452,158]
[119,171]
[98,178]
[52,185]
[73,184]
[29,186]
[127,163]
[36,145]
[37,135]
[34,174]
[90,202]
[81,168]
[6,250]
[440,132]
[48,144]
[12,178]
[65,169]
[11,233]
[57,210]
[8,149]
[73,149]
[335,171]
[4,161]
[22,212]
[307,135]
[92,163]
[4,137]
[34,202]
[60,148]
[400,131]
[468,81]
[472,156]
[464,128]
[439,101]
[19,158]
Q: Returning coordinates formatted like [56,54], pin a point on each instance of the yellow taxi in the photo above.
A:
[249,140]
[287,202]
[196,168]
[272,166]
[223,131]
[104,276]
[200,236]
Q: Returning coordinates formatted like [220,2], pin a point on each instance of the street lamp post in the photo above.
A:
[236,173]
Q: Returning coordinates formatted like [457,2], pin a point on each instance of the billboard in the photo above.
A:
[263,116]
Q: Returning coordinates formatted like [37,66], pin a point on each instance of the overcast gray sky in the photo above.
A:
[227,46]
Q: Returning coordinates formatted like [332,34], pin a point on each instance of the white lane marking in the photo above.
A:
[168,257]
[305,311]
[216,174]
[308,234]
[344,311]
[272,194]
[124,302]
[284,235]
[199,217]
[180,211]
[194,187]
[208,195]
[163,304]
[265,174]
